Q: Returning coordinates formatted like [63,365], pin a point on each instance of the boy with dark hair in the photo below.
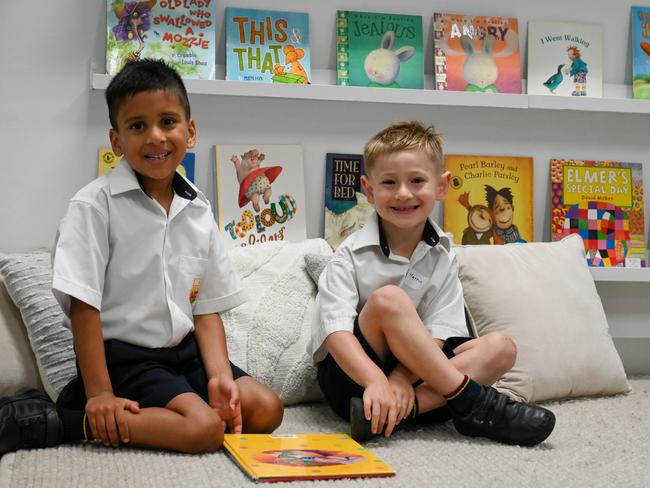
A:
[389,332]
[142,273]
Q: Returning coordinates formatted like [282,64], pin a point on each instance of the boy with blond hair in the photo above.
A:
[389,333]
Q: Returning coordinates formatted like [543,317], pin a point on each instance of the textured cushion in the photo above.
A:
[268,335]
[28,278]
[17,362]
[543,296]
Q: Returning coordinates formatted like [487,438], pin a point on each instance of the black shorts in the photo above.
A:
[338,387]
[151,377]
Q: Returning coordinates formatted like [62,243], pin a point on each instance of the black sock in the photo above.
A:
[73,425]
[461,400]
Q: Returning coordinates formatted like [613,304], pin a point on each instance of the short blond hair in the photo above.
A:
[408,135]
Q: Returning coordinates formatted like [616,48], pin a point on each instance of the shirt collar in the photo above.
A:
[123,179]
[372,234]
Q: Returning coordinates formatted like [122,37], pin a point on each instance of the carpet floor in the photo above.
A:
[597,442]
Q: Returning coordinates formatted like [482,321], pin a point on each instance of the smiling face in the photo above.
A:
[404,187]
[153,134]
[503,212]
[480,218]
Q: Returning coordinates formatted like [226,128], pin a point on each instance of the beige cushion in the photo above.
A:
[17,363]
[543,296]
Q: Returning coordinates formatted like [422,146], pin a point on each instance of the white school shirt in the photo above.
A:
[145,271]
[363,263]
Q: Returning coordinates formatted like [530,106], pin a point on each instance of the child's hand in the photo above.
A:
[379,406]
[404,393]
[223,394]
[105,414]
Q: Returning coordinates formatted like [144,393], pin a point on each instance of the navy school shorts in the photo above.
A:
[151,377]
[338,388]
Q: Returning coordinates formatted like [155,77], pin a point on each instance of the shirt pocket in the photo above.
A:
[188,282]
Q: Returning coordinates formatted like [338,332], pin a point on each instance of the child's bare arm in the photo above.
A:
[379,402]
[105,411]
[222,389]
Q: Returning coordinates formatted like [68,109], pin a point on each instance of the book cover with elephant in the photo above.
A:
[267,46]
[640,17]
[180,33]
[490,199]
[602,201]
[259,193]
[565,59]
[379,50]
[346,205]
[476,53]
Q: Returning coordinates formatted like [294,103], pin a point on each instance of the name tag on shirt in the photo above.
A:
[413,279]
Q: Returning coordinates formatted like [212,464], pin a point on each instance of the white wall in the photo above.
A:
[52,123]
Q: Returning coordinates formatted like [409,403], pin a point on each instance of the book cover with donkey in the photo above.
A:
[476,53]
[346,205]
[379,50]
[260,193]
[182,33]
[490,199]
[602,201]
[641,52]
[565,59]
[267,46]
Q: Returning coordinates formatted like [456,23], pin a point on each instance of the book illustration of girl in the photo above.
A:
[480,222]
[133,22]
[578,70]
[254,181]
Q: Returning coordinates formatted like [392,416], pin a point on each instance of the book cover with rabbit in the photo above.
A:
[260,193]
[602,201]
[565,59]
[476,53]
[267,46]
[490,199]
[379,50]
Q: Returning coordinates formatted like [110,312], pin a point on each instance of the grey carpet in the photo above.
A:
[598,442]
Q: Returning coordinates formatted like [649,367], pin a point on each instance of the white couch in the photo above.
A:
[268,335]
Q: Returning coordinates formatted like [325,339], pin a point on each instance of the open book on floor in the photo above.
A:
[290,457]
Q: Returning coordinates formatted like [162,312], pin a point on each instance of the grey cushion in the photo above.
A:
[28,278]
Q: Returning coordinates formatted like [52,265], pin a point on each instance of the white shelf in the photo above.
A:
[638,275]
[616,98]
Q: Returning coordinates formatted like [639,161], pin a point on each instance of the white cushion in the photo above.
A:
[543,296]
[17,361]
[268,335]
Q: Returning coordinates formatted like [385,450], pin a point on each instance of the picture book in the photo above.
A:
[490,199]
[346,205]
[268,46]
[641,52]
[602,201]
[107,160]
[181,32]
[379,50]
[260,193]
[476,53]
[291,457]
[565,59]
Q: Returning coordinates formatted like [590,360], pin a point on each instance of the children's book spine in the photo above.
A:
[342,48]
[439,60]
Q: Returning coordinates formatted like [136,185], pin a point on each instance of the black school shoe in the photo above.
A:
[498,417]
[360,428]
[27,420]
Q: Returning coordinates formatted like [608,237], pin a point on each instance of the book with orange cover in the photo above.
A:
[291,457]
[490,199]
